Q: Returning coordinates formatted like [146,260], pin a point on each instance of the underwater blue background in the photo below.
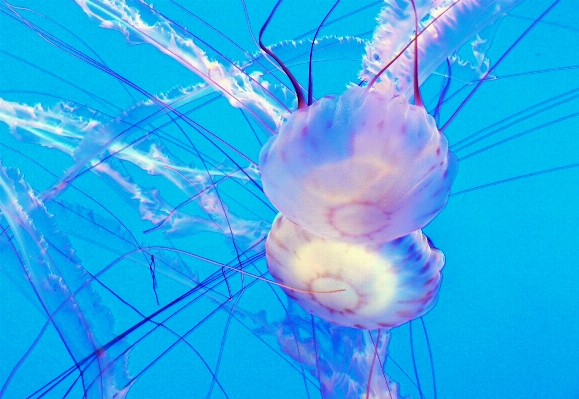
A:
[507,321]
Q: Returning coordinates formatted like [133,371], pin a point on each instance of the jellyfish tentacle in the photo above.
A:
[299,92]
[310,62]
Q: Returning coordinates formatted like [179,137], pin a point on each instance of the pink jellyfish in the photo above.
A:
[380,285]
[357,176]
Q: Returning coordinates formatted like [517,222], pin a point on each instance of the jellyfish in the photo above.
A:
[346,172]
[156,194]
[367,168]
[361,174]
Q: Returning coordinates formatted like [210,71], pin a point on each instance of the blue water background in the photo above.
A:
[507,321]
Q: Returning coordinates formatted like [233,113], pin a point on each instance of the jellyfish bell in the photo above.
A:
[366,286]
[365,166]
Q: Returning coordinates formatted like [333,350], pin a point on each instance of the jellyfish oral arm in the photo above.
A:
[241,89]
[35,246]
[444,26]
[80,137]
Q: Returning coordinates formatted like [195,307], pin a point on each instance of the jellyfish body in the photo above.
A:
[355,178]
[361,174]
[365,166]
[378,285]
